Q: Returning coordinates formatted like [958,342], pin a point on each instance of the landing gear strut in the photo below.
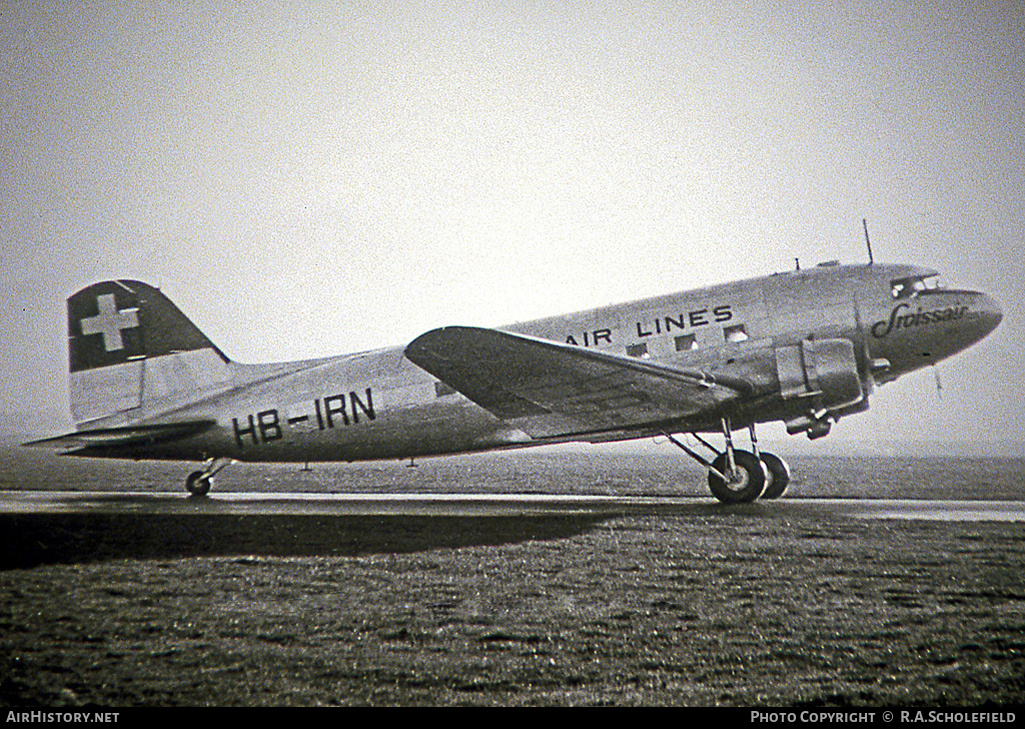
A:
[199,483]
[738,476]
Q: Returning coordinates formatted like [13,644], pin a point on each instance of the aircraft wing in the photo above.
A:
[549,389]
[128,437]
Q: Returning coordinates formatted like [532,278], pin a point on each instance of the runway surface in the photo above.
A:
[475,505]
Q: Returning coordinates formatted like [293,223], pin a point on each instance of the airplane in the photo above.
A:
[805,347]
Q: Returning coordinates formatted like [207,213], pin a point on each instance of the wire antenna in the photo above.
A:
[864,224]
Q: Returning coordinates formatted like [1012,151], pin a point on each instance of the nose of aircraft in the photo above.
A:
[990,314]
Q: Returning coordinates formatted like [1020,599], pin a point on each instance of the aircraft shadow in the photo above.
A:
[29,540]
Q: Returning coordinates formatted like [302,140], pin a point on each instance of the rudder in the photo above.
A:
[132,352]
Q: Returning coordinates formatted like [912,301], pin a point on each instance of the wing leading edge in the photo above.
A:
[547,389]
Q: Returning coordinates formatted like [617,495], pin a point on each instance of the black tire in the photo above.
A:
[779,476]
[749,484]
[198,483]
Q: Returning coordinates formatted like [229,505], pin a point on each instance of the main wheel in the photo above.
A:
[198,483]
[747,483]
[779,476]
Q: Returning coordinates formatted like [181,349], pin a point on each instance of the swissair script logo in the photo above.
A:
[109,322]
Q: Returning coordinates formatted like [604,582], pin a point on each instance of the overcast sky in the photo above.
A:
[308,179]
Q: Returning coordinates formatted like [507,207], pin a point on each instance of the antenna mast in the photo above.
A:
[864,224]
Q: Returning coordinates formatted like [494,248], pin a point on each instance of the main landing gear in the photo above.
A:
[199,483]
[737,476]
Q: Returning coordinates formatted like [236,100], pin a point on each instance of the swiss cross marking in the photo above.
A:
[109,322]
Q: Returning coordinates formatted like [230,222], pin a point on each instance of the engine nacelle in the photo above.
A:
[821,374]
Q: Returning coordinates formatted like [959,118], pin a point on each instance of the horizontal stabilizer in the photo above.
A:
[548,389]
[126,438]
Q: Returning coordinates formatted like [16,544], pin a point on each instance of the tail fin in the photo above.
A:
[132,353]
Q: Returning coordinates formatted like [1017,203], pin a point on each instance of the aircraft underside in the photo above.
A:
[734,475]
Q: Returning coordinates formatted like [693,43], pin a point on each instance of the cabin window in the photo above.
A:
[637,350]
[441,389]
[686,342]
[735,334]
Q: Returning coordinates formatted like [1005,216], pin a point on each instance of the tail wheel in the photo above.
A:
[779,476]
[747,481]
[198,483]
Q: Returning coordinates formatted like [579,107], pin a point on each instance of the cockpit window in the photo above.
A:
[904,288]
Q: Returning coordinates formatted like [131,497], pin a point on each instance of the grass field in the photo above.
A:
[729,608]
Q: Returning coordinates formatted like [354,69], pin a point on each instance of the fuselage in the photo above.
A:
[379,405]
